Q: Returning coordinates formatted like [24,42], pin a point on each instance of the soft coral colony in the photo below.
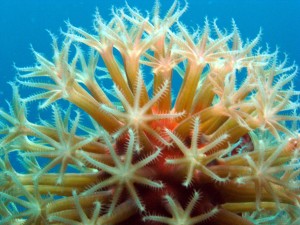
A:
[220,149]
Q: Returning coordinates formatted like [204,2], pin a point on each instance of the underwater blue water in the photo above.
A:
[25,22]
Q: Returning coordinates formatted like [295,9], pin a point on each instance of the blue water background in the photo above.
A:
[25,22]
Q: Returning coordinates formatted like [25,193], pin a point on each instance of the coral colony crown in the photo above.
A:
[133,149]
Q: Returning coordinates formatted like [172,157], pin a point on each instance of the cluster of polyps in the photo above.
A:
[134,149]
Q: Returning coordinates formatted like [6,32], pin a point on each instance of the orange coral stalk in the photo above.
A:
[132,147]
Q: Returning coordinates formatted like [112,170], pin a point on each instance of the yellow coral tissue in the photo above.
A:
[133,147]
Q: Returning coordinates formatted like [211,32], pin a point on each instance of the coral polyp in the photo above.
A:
[165,125]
